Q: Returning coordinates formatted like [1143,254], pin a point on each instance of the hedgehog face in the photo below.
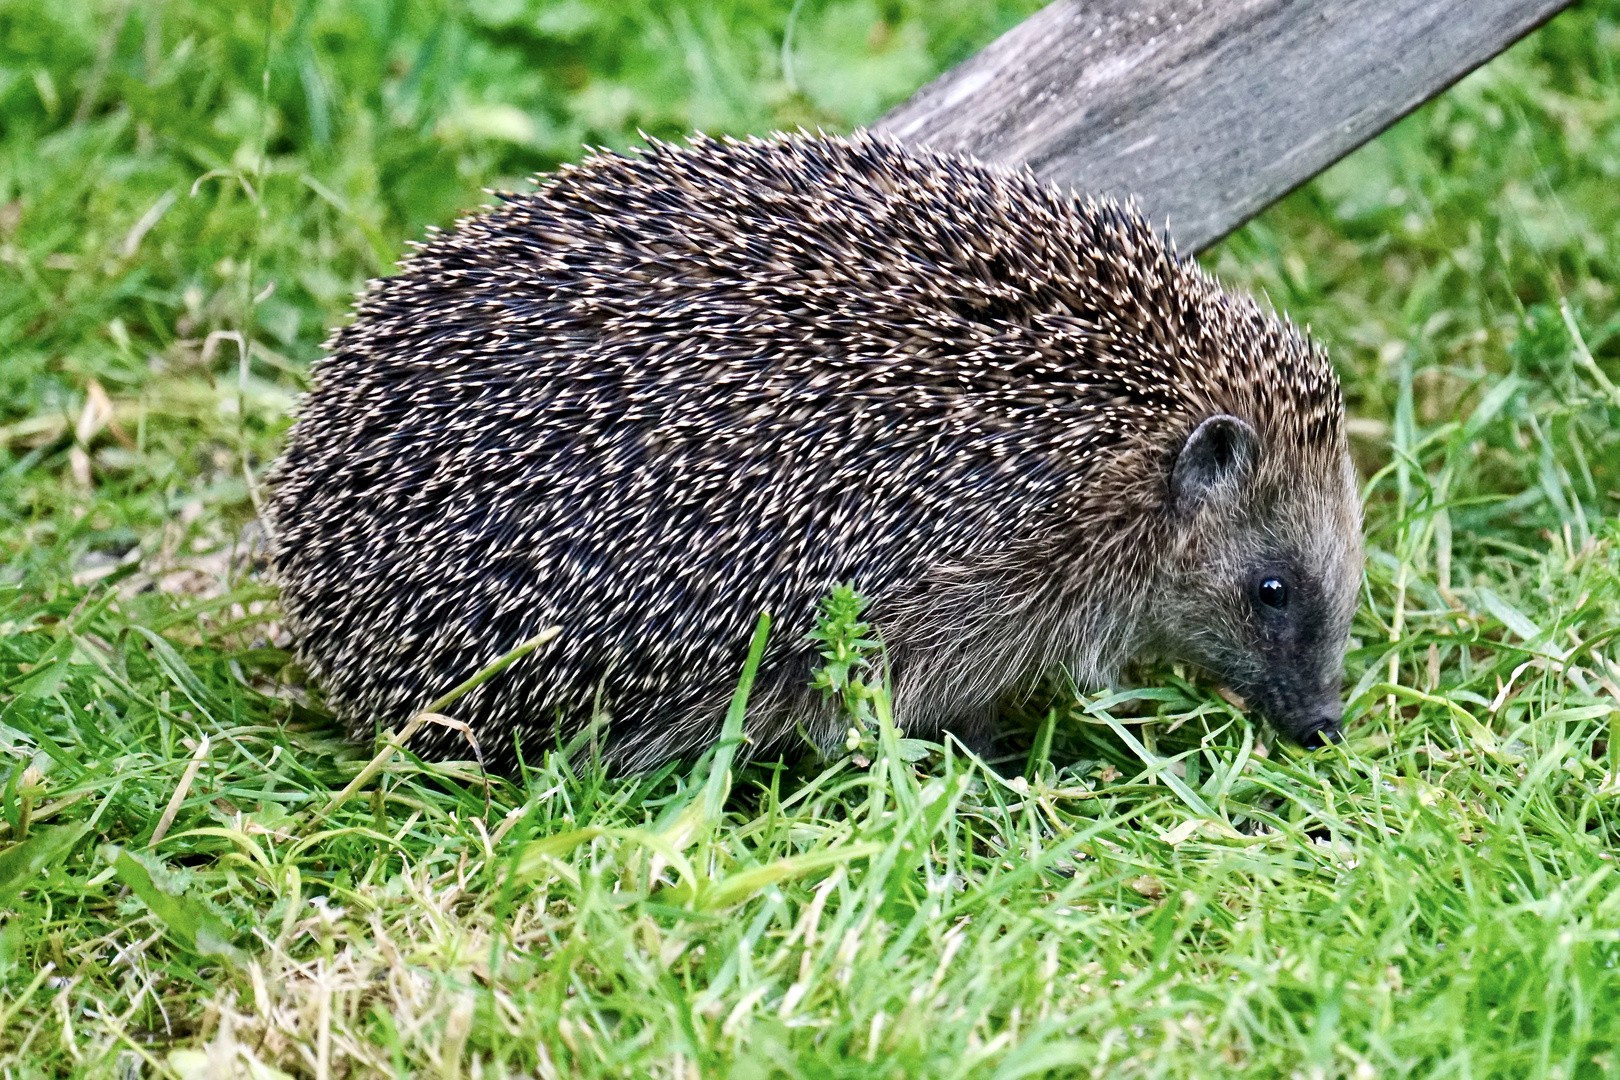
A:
[1263,577]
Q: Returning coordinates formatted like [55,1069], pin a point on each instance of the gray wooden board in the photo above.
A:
[1206,110]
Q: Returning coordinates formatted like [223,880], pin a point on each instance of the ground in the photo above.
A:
[1145,885]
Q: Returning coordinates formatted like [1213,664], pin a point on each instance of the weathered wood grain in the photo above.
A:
[1206,110]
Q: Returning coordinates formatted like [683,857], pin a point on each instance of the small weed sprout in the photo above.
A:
[849,669]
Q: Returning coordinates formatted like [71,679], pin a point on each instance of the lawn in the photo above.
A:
[1145,883]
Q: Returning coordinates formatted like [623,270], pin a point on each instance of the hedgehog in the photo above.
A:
[674,388]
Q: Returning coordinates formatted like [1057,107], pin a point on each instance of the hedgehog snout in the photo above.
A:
[1320,726]
[1327,732]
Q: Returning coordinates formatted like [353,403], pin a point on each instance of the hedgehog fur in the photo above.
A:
[667,391]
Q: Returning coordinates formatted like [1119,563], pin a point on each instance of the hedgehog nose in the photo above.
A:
[1324,735]
[1321,731]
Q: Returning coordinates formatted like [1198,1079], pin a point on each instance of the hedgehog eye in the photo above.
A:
[1273,593]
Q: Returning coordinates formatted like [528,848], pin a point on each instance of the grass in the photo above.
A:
[1148,886]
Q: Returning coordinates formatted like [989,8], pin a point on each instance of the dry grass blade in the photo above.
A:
[180,791]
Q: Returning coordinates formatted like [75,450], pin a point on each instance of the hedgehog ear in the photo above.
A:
[1218,456]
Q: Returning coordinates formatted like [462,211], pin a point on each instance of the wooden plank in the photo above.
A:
[1206,110]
